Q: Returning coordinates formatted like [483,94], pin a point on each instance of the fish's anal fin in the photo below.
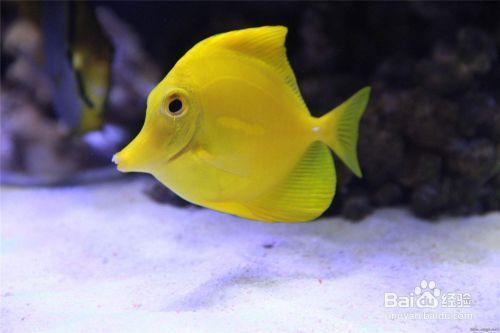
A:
[265,43]
[302,196]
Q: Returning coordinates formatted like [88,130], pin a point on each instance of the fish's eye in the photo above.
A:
[175,105]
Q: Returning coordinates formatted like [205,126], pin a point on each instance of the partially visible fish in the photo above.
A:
[77,55]
[228,129]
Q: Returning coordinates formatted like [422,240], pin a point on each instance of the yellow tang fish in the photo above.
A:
[228,129]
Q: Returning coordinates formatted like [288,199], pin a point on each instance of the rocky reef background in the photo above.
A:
[430,138]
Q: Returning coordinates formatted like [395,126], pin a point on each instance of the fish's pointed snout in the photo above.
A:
[121,163]
[137,156]
[126,162]
[116,160]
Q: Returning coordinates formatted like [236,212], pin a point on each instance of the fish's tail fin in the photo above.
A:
[341,128]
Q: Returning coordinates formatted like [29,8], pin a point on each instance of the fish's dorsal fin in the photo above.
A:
[302,195]
[265,43]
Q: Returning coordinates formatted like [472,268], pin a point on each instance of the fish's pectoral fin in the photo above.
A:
[265,43]
[304,194]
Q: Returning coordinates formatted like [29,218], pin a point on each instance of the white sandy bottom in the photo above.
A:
[105,258]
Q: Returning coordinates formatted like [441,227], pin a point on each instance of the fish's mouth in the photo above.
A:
[121,164]
[116,160]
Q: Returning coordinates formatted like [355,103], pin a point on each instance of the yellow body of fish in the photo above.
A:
[227,129]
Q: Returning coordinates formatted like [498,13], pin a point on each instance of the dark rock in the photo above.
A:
[397,72]
[478,113]
[491,128]
[426,200]
[492,198]
[442,78]
[453,67]
[430,121]
[381,155]
[388,194]
[420,167]
[476,50]
[474,159]
[460,196]
[356,207]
